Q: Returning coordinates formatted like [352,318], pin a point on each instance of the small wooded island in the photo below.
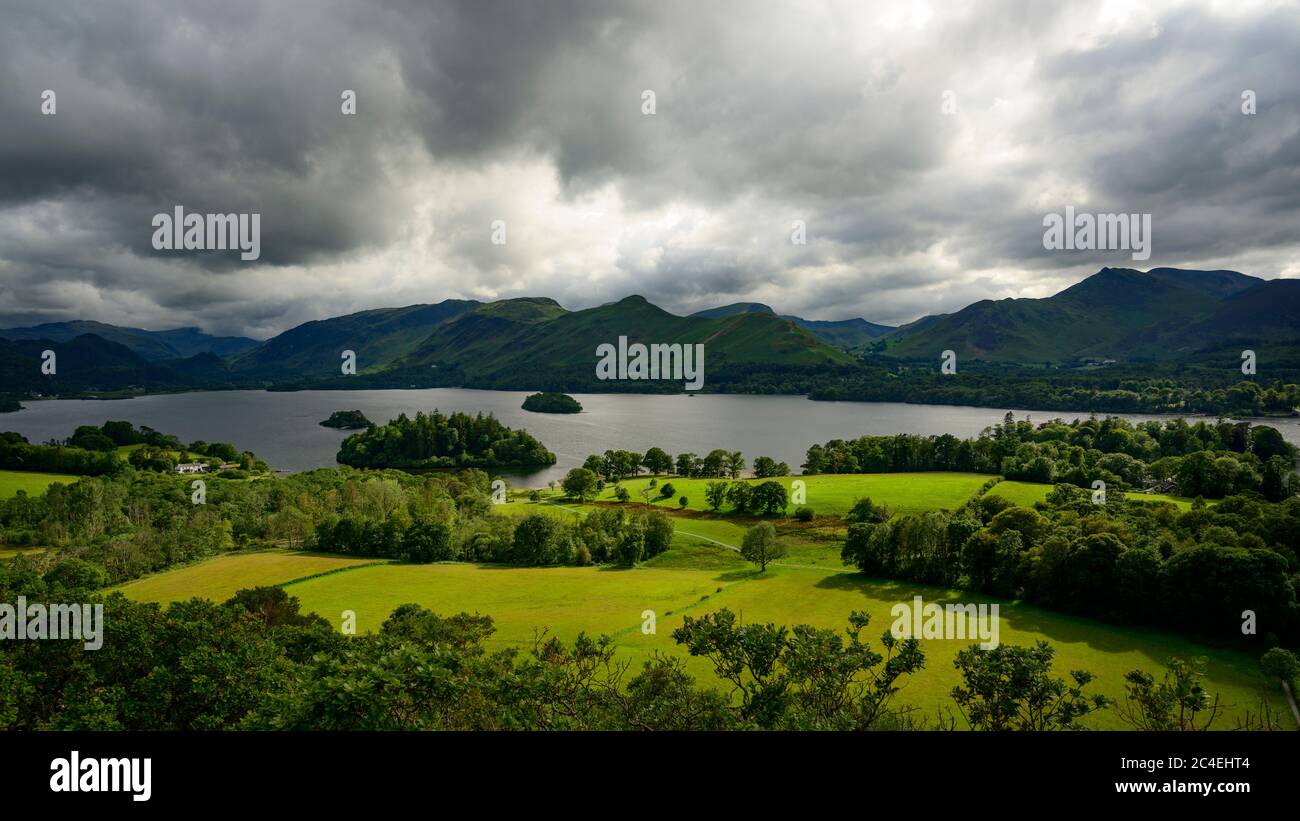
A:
[547,402]
[347,420]
[437,440]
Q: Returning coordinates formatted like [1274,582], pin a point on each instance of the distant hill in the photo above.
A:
[535,342]
[1117,313]
[90,363]
[379,337]
[1198,318]
[735,308]
[848,334]
[153,346]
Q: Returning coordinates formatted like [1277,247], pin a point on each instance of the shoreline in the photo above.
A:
[1022,406]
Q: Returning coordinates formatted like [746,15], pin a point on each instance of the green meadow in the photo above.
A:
[220,578]
[564,601]
[703,572]
[830,494]
[33,483]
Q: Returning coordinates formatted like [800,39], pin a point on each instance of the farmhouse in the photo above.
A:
[192,467]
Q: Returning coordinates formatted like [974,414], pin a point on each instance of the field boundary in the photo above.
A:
[731,547]
[376,563]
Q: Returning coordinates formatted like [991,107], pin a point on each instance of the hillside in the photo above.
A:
[153,346]
[529,342]
[89,363]
[848,334]
[1117,313]
[1202,319]
[379,337]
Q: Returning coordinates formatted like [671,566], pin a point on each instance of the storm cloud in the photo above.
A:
[919,143]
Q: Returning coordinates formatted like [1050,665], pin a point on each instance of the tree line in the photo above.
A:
[135,522]
[1145,388]
[617,465]
[91,450]
[536,540]
[1196,572]
[1211,459]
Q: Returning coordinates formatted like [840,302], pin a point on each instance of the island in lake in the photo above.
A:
[437,440]
[548,402]
[347,420]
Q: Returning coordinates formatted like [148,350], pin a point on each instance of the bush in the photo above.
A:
[867,512]
[683,502]
[427,541]
[658,533]
[541,540]
[804,513]
[769,497]
[667,490]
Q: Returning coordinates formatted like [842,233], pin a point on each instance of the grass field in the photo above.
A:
[702,573]
[1024,494]
[1027,493]
[220,578]
[12,481]
[569,600]
[711,540]
[834,494]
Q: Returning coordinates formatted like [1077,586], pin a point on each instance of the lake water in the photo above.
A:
[283,428]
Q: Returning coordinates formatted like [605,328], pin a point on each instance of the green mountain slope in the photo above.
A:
[848,334]
[1264,318]
[379,337]
[523,342]
[153,346]
[90,363]
[1117,313]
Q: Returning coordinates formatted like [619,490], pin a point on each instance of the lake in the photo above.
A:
[283,428]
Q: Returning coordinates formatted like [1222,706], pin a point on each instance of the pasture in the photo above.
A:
[565,601]
[31,482]
[829,494]
[220,578]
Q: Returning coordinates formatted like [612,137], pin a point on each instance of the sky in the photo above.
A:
[919,145]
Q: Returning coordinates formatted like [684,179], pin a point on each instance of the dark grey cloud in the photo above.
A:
[470,112]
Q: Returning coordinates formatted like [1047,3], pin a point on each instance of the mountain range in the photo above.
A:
[1165,314]
[153,346]
[533,343]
